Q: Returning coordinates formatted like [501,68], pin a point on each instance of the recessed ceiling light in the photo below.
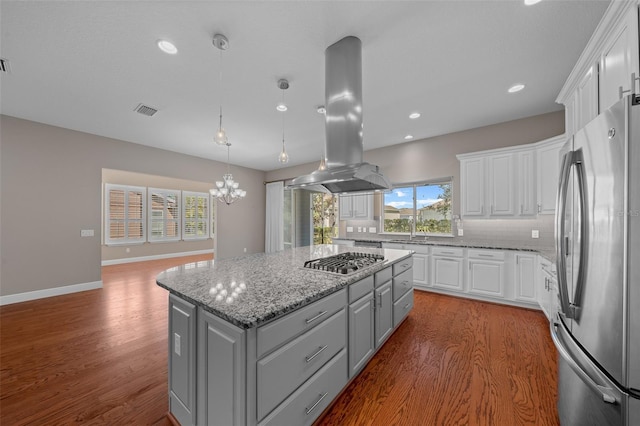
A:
[516,88]
[414,115]
[167,47]
[531,2]
[321,109]
[408,137]
[282,107]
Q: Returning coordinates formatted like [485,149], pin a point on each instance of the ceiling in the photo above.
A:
[85,65]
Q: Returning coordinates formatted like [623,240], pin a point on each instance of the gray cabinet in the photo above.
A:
[182,360]
[221,372]
[361,333]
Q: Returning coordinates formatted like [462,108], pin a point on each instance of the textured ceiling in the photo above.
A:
[85,65]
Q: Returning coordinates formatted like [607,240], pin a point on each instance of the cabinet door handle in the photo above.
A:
[380,297]
[310,320]
[309,358]
[539,208]
[309,410]
[521,208]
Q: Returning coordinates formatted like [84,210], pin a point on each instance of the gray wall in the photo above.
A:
[436,157]
[50,186]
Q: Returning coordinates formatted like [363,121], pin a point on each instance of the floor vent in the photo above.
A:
[145,110]
[4,65]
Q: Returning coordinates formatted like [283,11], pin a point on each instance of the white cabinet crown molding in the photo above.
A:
[613,16]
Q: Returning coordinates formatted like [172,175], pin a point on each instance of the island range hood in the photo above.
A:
[346,171]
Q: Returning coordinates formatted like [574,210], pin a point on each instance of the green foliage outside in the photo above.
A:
[428,226]
[324,235]
[324,208]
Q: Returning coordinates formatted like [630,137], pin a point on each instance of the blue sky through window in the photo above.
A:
[402,198]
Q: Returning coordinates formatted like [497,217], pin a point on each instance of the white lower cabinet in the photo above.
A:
[547,286]
[525,277]
[486,273]
[361,333]
[446,268]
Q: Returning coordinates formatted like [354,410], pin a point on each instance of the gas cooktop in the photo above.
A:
[344,263]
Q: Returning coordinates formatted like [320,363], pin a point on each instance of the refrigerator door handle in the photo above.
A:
[561,242]
[578,161]
[605,392]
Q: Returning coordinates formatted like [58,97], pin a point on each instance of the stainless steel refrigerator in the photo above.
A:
[597,328]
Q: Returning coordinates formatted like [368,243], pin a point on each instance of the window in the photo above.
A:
[196,215]
[423,208]
[125,214]
[324,210]
[164,217]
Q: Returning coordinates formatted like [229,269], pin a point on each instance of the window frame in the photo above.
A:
[414,187]
[126,220]
[207,221]
[165,193]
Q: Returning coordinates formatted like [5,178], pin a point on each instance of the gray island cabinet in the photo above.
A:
[260,340]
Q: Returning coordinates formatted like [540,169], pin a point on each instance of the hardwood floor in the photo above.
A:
[100,357]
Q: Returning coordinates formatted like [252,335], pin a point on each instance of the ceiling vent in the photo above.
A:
[4,65]
[145,110]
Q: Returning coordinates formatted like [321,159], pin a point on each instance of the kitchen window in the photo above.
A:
[196,215]
[125,214]
[164,215]
[421,208]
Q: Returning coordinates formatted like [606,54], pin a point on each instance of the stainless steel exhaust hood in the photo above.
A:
[346,172]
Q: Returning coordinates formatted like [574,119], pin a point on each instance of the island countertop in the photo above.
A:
[251,290]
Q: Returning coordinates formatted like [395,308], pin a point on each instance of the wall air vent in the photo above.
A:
[145,110]
[4,65]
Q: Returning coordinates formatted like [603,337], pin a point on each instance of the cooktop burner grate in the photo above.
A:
[344,263]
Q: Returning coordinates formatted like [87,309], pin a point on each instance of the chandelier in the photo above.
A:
[227,190]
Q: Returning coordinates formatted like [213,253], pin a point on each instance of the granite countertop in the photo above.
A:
[248,291]
[548,252]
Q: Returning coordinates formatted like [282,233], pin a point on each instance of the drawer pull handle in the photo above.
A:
[318,352]
[404,265]
[404,283]
[407,306]
[309,410]
[485,255]
[310,320]
[447,252]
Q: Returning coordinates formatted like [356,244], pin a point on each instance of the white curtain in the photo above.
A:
[274,226]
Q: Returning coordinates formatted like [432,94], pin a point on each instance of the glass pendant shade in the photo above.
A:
[220,137]
[283,157]
[323,164]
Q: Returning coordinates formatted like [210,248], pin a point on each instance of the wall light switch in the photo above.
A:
[364,229]
[359,228]
[86,233]
[372,229]
[460,232]
[535,233]
[349,228]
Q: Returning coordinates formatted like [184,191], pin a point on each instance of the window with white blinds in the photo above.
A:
[125,214]
[164,215]
[196,220]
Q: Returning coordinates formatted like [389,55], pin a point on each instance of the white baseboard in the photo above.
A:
[49,292]
[154,257]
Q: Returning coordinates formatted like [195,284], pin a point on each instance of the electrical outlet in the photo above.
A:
[176,344]
[359,228]
[372,229]
[460,232]
[86,233]
[245,249]
[364,229]
[535,233]
[349,228]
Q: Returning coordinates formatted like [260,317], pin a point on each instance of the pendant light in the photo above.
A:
[282,107]
[222,43]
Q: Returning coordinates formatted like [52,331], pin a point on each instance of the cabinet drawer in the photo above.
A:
[281,372]
[275,333]
[383,276]
[402,283]
[402,307]
[402,266]
[485,254]
[360,288]
[447,251]
[306,403]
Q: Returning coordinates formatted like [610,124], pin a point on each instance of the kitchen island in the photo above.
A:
[260,339]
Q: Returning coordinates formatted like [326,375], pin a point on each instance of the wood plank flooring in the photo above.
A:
[100,357]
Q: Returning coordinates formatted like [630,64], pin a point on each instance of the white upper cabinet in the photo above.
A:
[356,207]
[501,185]
[526,194]
[473,186]
[604,71]
[548,171]
[619,60]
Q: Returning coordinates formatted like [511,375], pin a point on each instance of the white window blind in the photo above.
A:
[195,208]
[164,215]
[125,214]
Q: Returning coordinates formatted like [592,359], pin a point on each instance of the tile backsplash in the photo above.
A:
[496,231]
